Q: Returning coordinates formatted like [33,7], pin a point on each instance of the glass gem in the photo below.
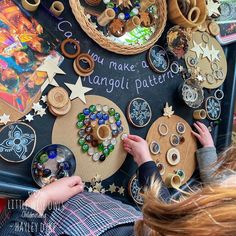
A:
[80,124]
[60,158]
[116,9]
[113,141]
[87,121]
[52,154]
[99,115]
[105,116]
[118,123]
[61,174]
[92,108]
[99,107]
[86,111]
[111,111]
[127,16]
[43,158]
[101,122]
[39,166]
[89,130]
[124,136]
[113,126]
[81,117]
[93,116]
[91,151]
[111,119]
[66,165]
[81,133]
[105,108]
[115,133]
[100,147]
[94,123]
[85,147]
[81,141]
[89,138]
[110,147]
[117,116]
[102,158]
[110,5]
[94,143]
[106,142]
[106,152]
[96,156]
[120,129]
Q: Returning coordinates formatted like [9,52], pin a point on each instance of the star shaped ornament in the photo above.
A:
[121,190]
[4,119]
[78,91]
[112,188]
[41,112]
[29,117]
[206,52]
[197,48]
[168,112]
[214,54]
[44,98]
[213,7]
[37,107]
[51,68]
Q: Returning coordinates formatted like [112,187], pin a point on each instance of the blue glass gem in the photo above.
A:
[99,115]
[93,116]
[86,111]
[137,5]
[118,123]
[105,116]
[101,122]
[66,165]
[116,9]
[52,154]
[127,16]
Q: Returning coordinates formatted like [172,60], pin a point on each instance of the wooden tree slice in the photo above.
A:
[187,148]
[65,132]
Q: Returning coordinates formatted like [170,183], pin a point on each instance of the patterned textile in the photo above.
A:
[89,214]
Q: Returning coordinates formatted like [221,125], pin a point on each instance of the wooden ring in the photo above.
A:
[174,140]
[65,53]
[180,127]
[29,6]
[173,156]
[154,148]
[161,131]
[193,14]
[86,57]
[219,94]
[57,8]
[161,168]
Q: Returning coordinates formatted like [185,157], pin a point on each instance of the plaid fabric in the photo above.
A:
[89,214]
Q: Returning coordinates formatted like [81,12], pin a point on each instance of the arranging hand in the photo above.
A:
[57,192]
[203,135]
[138,148]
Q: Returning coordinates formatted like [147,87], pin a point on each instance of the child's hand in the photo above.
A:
[138,148]
[203,135]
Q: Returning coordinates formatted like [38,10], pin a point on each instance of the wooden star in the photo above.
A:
[112,188]
[98,186]
[29,117]
[37,107]
[214,54]
[168,112]
[5,119]
[78,91]
[206,52]
[213,7]
[197,48]
[51,68]
[41,112]
[98,178]
[200,78]
[121,191]
[44,98]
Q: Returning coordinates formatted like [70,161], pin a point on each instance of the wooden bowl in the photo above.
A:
[176,16]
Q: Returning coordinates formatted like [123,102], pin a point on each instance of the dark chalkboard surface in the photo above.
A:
[118,78]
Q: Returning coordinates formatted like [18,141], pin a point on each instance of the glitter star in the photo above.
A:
[98,186]
[4,119]
[37,107]
[206,52]
[214,54]
[41,112]
[213,7]
[44,98]
[121,191]
[112,188]
[197,48]
[29,117]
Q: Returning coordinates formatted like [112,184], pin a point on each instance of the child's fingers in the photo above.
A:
[202,126]
[127,149]
[198,136]
[126,146]
[200,131]
[135,138]
[129,142]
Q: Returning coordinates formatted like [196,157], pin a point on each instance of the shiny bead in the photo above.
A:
[94,123]
[113,141]
[111,119]
[127,16]
[89,130]
[81,133]
[111,111]
[110,147]
[39,166]
[120,129]
[118,123]
[100,147]
[110,5]
[106,152]
[52,154]
[93,116]
[99,107]
[81,117]
[94,143]
[106,142]
[105,117]
[92,108]
[89,138]
[96,156]
[61,174]
[105,108]
[87,121]
[91,151]
[66,165]
[106,1]
[121,16]
[81,141]
[86,111]
[80,124]
[99,115]
[101,122]
[115,133]
[85,148]
[116,9]
[117,116]
[43,158]
[134,12]
[102,158]
[113,126]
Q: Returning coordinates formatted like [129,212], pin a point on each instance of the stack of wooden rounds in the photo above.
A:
[58,101]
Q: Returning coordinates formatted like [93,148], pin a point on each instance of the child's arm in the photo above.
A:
[138,148]
[206,156]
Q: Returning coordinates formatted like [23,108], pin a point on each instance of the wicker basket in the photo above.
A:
[106,43]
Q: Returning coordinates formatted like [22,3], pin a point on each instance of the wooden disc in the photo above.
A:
[57,97]
[187,148]
[204,64]
[62,111]
[214,28]
[65,132]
